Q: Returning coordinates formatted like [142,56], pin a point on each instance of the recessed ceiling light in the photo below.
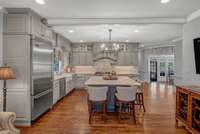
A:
[41,2]
[81,40]
[127,40]
[136,31]
[71,31]
[165,1]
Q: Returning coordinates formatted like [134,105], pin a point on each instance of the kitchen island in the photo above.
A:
[112,84]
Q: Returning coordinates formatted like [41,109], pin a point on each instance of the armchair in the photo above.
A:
[7,123]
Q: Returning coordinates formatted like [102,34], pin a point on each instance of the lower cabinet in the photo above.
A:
[80,80]
[188,108]
[62,87]
[56,91]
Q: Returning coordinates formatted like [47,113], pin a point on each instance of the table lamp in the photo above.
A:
[6,73]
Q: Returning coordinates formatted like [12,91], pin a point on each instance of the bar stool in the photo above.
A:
[97,95]
[126,101]
[140,95]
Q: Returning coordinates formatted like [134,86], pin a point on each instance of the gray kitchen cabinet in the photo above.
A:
[89,58]
[127,59]
[36,28]
[25,21]
[120,59]
[17,23]
[56,91]
[79,81]
[75,59]
[82,59]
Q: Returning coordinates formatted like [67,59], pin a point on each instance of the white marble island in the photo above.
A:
[112,84]
[121,81]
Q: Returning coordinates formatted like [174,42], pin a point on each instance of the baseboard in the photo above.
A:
[22,123]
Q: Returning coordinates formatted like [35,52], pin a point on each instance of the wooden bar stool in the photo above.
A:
[126,101]
[140,95]
[97,95]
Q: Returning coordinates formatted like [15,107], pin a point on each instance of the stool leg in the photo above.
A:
[143,102]
[90,111]
[104,111]
[133,108]
[119,112]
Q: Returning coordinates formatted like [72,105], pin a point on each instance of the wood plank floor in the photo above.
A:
[70,116]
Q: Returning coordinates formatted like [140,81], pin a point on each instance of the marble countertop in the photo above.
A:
[68,76]
[121,81]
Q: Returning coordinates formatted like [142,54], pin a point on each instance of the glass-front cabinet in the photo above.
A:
[195,112]
[188,107]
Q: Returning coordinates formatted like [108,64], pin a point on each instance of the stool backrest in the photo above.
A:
[126,93]
[97,93]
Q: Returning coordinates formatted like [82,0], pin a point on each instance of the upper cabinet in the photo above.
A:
[25,21]
[17,24]
[82,55]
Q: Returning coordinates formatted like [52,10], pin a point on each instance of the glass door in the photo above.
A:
[153,70]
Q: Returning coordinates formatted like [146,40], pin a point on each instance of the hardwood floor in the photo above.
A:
[70,116]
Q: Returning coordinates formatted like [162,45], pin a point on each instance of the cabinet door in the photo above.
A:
[195,112]
[56,91]
[89,59]
[134,60]
[182,106]
[17,23]
[121,59]
[82,57]
[75,59]
[36,26]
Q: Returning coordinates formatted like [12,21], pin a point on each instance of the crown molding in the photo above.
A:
[193,16]
[125,21]
[168,43]
[3,10]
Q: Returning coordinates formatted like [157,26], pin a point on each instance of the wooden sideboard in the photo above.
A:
[188,107]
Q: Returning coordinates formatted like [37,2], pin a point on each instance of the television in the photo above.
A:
[197,54]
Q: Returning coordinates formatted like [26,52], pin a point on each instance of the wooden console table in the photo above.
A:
[188,107]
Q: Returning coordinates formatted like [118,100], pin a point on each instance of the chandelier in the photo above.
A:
[110,46]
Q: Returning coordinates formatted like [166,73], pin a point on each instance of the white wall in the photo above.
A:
[1,54]
[178,53]
[191,30]
[146,53]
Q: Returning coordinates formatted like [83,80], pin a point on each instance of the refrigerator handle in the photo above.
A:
[42,94]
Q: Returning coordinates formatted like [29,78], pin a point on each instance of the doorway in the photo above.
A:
[153,70]
[162,68]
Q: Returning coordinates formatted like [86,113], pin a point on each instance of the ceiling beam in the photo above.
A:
[125,21]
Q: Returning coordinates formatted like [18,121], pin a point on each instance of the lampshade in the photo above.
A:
[6,73]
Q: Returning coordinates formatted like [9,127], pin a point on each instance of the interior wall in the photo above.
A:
[1,55]
[178,54]
[191,30]
[144,55]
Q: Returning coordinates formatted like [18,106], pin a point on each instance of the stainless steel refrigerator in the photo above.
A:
[42,80]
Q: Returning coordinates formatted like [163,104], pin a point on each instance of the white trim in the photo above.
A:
[2,10]
[157,45]
[193,16]
[177,39]
[126,21]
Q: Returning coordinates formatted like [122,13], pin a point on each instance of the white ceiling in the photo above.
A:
[121,33]
[120,9]
[108,8]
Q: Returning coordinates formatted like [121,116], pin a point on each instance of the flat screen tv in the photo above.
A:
[197,54]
